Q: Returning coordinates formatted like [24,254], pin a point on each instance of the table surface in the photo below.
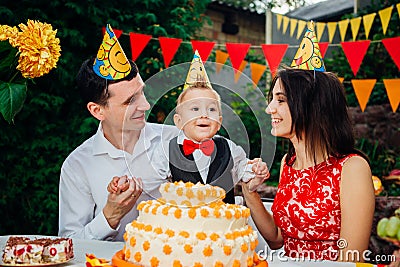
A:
[106,250]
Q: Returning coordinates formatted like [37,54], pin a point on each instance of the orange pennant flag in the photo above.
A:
[220,58]
[341,79]
[240,70]
[257,70]
[343,24]
[385,15]
[367,21]
[355,26]
[398,9]
[393,92]
[363,89]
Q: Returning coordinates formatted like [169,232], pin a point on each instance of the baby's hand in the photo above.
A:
[118,184]
[261,172]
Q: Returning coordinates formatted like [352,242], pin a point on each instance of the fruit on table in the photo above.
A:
[392,226]
[389,227]
[381,227]
[378,188]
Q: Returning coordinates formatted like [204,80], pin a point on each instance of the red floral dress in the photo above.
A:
[307,209]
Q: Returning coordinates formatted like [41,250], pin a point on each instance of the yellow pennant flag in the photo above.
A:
[285,24]
[341,79]
[320,30]
[355,26]
[257,70]
[278,21]
[398,9]
[367,21]
[301,24]
[293,24]
[363,89]
[385,15]
[331,30]
[240,70]
[343,24]
[220,57]
[393,92]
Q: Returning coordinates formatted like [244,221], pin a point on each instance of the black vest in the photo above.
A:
[184,168]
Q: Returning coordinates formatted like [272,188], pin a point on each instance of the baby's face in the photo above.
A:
[199,115]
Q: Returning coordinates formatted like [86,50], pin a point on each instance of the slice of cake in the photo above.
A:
[190,225]
[22,250]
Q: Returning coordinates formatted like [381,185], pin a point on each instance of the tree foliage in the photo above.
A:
[54,119]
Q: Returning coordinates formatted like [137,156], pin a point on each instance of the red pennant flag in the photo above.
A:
[393,92]
[237,52]
[273,54]
[363,89]
[169,46]
[116,32]
[138,43]
[204,48]
[355,52]
[323,47]
[392,46]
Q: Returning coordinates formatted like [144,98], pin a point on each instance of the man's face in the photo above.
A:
[126,105]
[199,115]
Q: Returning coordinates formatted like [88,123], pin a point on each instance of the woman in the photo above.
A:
[325,202]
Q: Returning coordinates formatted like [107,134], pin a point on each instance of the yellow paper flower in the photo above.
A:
[39,48]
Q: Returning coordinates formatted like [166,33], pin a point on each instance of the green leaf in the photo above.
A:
[12,97]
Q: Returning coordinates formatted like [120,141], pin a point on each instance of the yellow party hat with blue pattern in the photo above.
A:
[111,62]
[197,72]
[308,56]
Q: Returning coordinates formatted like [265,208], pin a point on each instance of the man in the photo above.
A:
[123,146]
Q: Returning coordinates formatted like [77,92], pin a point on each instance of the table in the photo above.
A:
[105,249]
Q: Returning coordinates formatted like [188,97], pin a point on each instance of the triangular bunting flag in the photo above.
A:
[355,26]
[363,89]
[320,29]
[257,70]
[278,21]
[323,47]
[116,32]
[220,58]
[273,54]
[331,30]
[341,79]
[293,24]
[240,70]
[138,43]
[204,48]
[169,46]
[392,46]
[355,52]
[285,24]
[385,15]
[368,20]
[300,28]
[237,52]
[343,24]
[398,9]
[393,92]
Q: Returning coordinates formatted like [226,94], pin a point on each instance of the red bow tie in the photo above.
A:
[207,147]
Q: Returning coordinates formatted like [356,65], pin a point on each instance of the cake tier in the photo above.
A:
[189,194]
[150,246]
[215,217]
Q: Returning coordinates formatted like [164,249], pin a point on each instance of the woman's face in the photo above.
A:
[278,108]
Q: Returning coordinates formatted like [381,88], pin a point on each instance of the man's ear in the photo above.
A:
[96,110]
[178,121]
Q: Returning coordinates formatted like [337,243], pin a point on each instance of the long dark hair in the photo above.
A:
[318,107]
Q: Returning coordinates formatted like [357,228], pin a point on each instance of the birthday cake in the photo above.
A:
[190,225]
[23,250]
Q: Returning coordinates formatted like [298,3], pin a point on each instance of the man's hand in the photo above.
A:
[261,172]
[120,204]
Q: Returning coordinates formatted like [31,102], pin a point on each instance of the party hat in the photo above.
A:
[197,72]
[308,56]
[111,62]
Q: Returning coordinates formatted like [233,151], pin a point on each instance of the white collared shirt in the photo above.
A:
[87,171]
[240,171]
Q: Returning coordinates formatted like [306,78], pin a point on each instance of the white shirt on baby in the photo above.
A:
[87,171]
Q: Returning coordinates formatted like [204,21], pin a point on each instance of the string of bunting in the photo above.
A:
[354,51]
